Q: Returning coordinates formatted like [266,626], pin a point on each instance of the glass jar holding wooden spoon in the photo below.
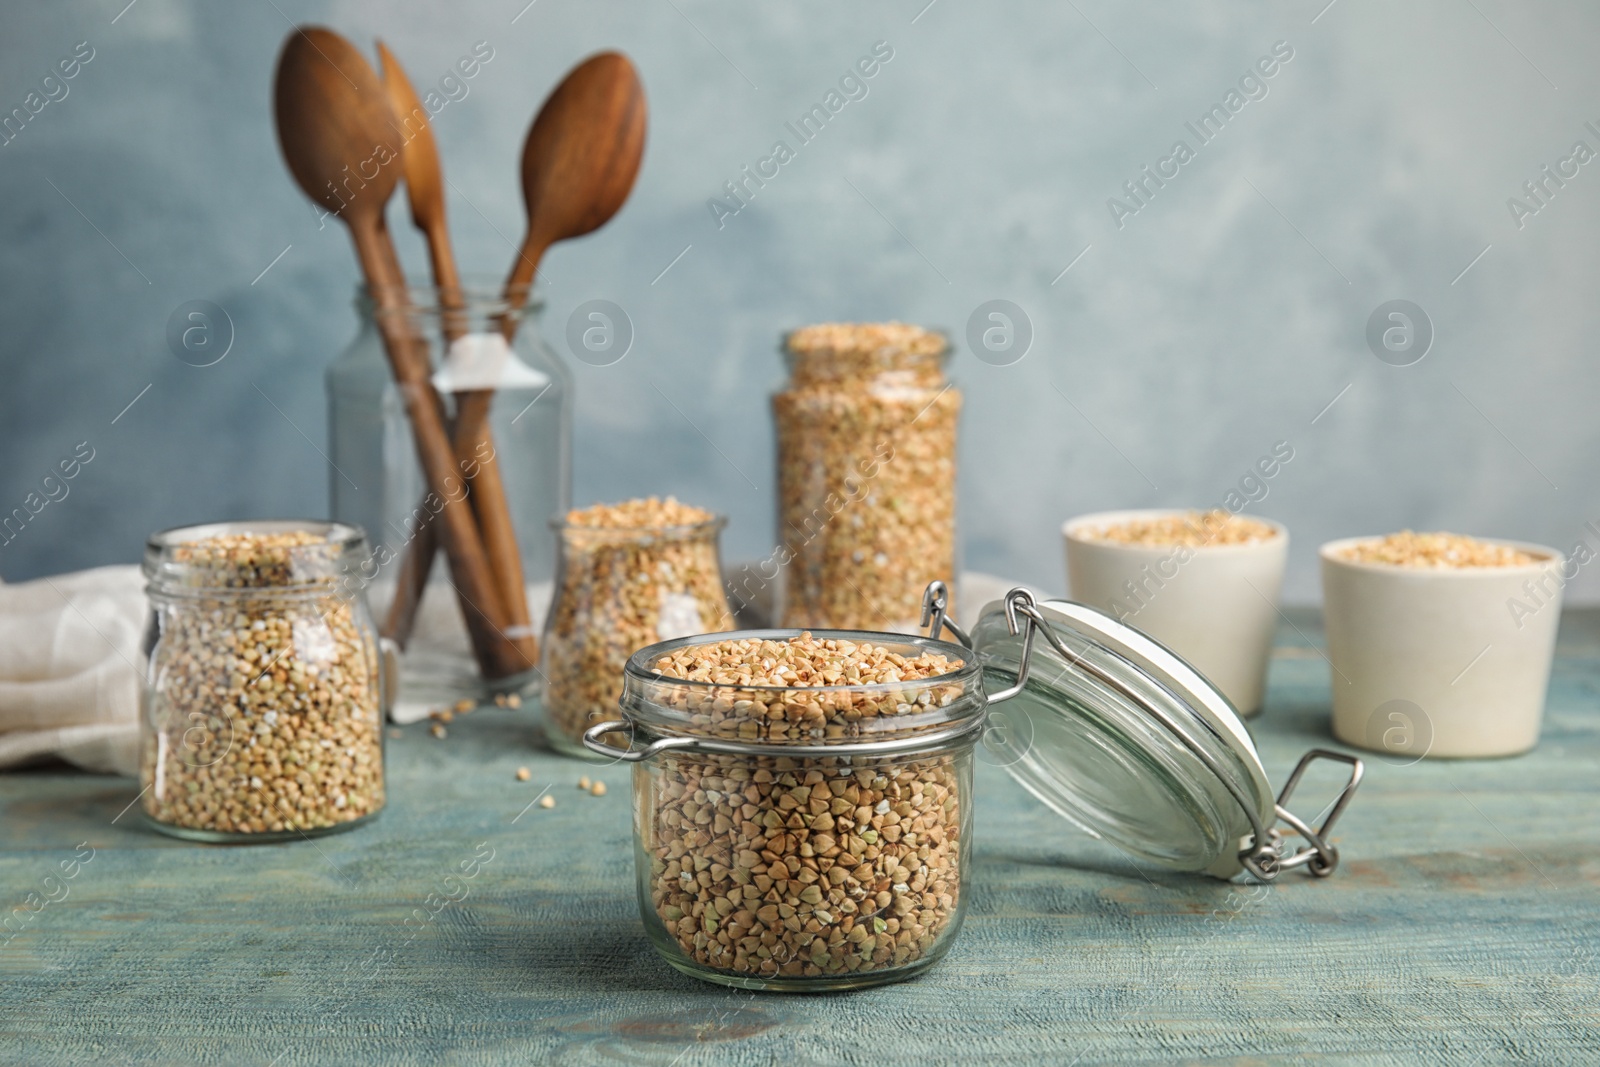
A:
[578,165]
[378,486]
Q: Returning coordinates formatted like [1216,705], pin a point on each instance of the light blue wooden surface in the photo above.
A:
[1464,927]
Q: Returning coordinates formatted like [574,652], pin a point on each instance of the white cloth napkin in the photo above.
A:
[69,680]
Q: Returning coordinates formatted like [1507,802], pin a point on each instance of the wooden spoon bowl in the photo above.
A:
[580,158]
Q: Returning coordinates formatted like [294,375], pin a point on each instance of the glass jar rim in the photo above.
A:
[703,722]
[831,364]
[341,545]
[970,669]
[483,295]
[714,524]
[943,352]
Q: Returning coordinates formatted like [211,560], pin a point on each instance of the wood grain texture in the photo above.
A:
[1464,927]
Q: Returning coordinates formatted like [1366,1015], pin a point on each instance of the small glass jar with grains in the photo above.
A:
[628,575]
[803,800]
[797,868]
[264,693]
[866,474]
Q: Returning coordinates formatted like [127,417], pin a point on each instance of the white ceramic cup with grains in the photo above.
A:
[1440,661]
[1213,604]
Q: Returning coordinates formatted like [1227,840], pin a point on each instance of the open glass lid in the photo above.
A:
[1119,735]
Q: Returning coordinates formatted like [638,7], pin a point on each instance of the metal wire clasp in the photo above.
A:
[935,600]
[1318,856]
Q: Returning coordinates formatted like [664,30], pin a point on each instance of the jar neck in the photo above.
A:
[849,365]
[430,310]
[254,559]
[942,710]
[579,537]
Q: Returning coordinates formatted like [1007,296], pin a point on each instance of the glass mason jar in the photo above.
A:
[815,837]
[619,589]
[377,484]
[262,708]
[866,475]
[805,866]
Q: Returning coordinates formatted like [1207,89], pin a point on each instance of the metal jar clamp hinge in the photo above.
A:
[1264,855]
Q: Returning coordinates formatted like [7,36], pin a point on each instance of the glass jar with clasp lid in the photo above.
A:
[814,834]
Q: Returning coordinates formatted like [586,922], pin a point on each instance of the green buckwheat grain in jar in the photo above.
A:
[263,702]
[866,435]
[629,575]
[807,870]
[803,799]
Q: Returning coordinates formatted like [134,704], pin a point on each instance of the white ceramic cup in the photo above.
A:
[1440,661]
[1218,608]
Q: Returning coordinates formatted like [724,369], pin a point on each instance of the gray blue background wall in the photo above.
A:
[1224,316]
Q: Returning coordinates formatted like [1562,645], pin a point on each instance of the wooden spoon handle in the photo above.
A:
[487,495]
[472,445]
[415,565]
[470,436]
[471,428]
[475,443]
[480,601]
[499,536]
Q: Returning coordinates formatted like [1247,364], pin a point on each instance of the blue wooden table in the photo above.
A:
[1463,928]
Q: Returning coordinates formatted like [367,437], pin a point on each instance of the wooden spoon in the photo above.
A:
[579,163]
[424,175]
[336,131]
[425,191]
